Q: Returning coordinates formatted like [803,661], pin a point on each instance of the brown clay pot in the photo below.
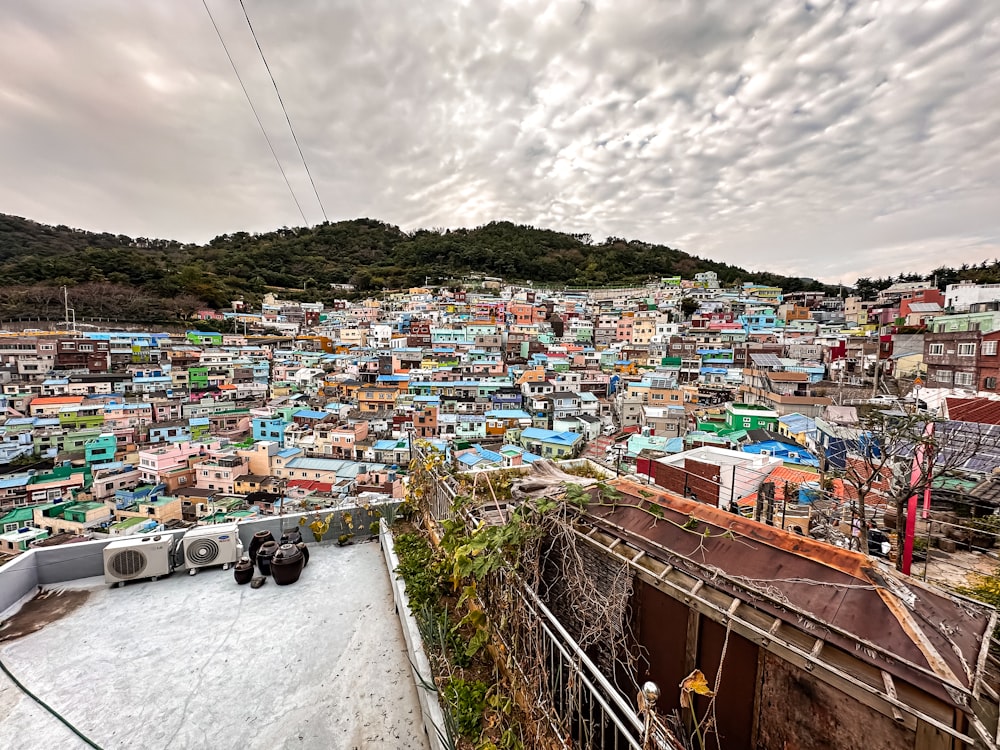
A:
[305,553]
[291,535]
[264,556]
[287,564]
[258,539]
[243,571]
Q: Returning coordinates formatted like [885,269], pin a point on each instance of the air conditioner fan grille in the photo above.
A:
[128,563]
[201,551]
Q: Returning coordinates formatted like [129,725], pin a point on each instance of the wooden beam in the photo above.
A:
[890,690]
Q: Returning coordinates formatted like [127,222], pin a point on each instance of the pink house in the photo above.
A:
[219,471]
[125,415]
[340,440]
[155,461]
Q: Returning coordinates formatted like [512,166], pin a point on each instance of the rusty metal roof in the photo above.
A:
[923,636]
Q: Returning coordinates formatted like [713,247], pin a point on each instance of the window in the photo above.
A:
[966,350]
[942,376]
[990,384]
[989,348]
[935,349]
[964,378]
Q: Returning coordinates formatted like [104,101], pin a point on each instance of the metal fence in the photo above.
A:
[585,709]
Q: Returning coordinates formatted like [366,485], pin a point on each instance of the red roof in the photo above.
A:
[311,485]
[981,410]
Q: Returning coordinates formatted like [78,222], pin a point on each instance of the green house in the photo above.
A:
[15,519]
[198,377]
[101,449]
[750,417]
[81,417]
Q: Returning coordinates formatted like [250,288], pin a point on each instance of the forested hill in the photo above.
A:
[170,277]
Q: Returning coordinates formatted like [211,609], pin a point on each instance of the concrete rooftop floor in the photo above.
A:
[200,662]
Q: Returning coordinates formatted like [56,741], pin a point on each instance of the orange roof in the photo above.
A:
[782,476]
[227,387]
[53,400]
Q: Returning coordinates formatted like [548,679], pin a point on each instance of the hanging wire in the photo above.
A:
[285,111]
[256,116]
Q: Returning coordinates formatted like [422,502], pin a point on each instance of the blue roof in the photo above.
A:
[388,445]
[288,452]
[489,455]
[674,445]
[551,436]
[16,480]
[798,422]
[311,414]
[785,452]
[508,414]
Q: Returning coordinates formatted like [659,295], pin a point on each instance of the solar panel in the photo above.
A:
[765,360]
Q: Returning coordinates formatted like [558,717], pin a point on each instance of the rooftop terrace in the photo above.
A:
[198,661]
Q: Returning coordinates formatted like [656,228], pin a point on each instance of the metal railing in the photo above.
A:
[584,708]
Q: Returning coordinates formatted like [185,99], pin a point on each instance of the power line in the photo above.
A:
[285,111]
[257,116]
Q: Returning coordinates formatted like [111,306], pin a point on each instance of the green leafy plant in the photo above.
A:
[467,701]
[419,570]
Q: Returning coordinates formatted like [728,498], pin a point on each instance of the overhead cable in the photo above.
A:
[257,116]
[285,111]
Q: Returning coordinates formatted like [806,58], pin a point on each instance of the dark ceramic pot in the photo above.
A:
[291,535]
[305,553]
[258,539]
[264,556]
[243,571]
[287,564]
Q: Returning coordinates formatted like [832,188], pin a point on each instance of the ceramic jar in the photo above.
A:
[243,571]
[258,539]
[264,556]
[287,564]
[291,535]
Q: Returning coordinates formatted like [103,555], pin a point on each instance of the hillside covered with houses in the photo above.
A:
[327,405]
[719,432]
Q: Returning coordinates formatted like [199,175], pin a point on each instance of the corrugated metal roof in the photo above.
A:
[898,625]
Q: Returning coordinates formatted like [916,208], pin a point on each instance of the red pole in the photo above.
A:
[911,528]
[916,479]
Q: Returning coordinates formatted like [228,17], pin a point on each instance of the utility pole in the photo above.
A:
[878,361]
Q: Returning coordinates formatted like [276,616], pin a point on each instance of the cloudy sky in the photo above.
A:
[819,138]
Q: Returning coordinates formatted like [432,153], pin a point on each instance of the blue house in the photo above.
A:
[787,452]
[269,428]
[549,443]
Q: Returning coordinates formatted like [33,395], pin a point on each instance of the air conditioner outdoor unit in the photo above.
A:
[134,559]
[218,544]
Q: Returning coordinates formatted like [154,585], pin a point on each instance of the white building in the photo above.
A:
[959,297]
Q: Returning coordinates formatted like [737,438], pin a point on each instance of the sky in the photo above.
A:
[812,138]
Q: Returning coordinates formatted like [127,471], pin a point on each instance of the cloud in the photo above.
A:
[828,139]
